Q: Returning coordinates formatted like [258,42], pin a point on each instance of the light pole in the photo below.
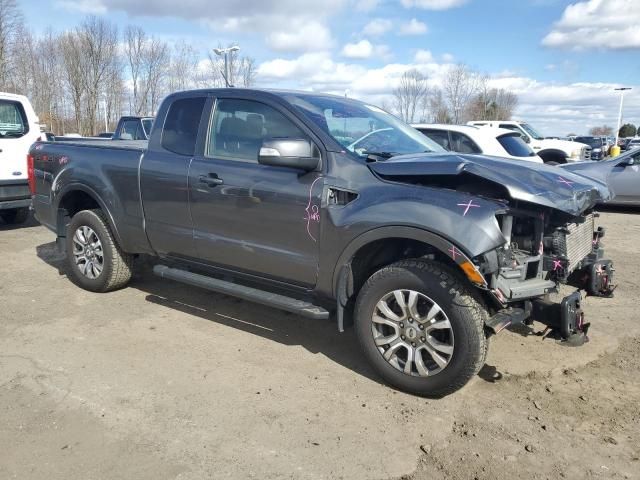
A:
[225,52]
[621,90]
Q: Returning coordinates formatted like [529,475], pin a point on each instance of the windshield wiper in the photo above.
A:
[377,156]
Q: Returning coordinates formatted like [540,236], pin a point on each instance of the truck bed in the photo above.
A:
[108,169]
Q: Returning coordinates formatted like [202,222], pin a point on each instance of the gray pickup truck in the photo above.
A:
[322,205]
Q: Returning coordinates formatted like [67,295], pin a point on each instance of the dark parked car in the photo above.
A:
[317,204]
[598,146]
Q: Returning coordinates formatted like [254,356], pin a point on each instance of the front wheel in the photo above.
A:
[95,261]
[421,327]
[15,216]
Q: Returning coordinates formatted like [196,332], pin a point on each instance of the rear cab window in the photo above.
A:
[515,145]
[181,126]
[13,120]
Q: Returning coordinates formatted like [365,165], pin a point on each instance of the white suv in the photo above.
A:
[550,150]
[19,128]
[498,142]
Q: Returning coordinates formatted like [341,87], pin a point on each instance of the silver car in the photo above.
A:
[621,173]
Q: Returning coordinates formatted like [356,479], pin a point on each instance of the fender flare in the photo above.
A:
[72,187]
[442,244]
[553,151]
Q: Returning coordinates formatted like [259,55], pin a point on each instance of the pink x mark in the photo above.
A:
[454,252]
[557,264]
[467,206]
[565,181]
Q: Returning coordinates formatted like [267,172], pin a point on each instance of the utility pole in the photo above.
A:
[224,52]
[621,90]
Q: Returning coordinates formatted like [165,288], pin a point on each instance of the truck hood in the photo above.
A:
[563,145]
[543,185]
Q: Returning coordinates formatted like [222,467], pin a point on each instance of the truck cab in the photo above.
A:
[550,150]
[19,128]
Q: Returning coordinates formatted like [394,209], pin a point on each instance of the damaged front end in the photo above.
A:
[546,229]
[541,252]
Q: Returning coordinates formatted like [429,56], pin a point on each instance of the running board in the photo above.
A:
[274,300]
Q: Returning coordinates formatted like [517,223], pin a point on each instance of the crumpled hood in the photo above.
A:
[544,185]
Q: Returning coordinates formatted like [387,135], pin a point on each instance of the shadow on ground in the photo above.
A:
[316,336]
[31,222]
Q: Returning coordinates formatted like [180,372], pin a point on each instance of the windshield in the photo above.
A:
[147,123]
[13,122]
[591,141]
[531,131]
[362,129]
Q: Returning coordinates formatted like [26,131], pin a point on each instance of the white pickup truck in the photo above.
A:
[550,150]
[19,128]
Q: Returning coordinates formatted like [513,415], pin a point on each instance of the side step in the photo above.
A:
[274,300]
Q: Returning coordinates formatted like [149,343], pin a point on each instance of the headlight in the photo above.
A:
[576,153]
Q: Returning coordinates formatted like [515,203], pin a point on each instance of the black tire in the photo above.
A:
[116,266]
[463,308]
[15,216]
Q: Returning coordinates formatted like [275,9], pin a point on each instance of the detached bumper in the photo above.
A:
[565,318]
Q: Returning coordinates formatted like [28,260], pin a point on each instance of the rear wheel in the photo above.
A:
[15,216]
[421,327]
[96,262]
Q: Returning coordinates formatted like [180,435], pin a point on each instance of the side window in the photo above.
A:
[238,128]
[439,136]
[13,121]
[463,144]
[180,130]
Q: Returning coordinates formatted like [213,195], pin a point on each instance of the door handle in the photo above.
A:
[211,180]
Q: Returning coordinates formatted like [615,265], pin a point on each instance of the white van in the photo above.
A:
[19,128]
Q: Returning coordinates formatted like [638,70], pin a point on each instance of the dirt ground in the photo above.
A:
[164,381]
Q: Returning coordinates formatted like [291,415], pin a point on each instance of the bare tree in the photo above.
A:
[135,40]
[604,130]
[493,104]
[71,48]
[439,112]
[99,41]
[10,24]
[183,68]
[155,65]
[410,94]
[460,86]
[247,71]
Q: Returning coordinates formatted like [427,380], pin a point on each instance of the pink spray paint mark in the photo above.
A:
[541,249]
[467,206]
[454,252]
[312,211]
[557,265]
[565,181]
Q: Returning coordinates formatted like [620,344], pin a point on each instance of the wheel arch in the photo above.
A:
[76,197]
[553,155]
[382,246]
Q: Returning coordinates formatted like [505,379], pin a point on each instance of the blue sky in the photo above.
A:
[562,58]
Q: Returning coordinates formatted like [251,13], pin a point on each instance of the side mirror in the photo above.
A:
[526,139]
[628,162]
[292,153]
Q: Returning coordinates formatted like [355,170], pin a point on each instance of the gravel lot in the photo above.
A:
[163,381]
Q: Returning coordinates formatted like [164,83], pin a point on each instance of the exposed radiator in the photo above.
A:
[575,241]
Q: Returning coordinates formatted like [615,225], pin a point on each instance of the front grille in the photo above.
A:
[586,153]
[575,241]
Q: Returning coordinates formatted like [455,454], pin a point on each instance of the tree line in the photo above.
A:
[82,80]
[465,95]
